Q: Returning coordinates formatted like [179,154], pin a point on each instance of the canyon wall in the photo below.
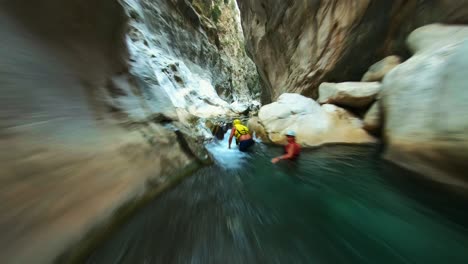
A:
[297,45]
[101,109]
[421,109]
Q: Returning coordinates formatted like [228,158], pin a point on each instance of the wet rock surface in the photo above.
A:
[199,62]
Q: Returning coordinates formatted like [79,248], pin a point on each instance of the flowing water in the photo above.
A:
[337,204]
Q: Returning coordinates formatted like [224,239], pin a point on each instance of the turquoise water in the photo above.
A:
[337,204]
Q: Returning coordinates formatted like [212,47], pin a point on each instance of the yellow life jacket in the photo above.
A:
[240,130]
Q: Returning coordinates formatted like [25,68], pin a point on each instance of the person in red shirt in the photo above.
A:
[291,150]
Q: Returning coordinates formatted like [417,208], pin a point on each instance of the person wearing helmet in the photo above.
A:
[242,135]
[291,150]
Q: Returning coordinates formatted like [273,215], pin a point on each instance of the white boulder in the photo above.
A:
[377,72]
[372,119]
[314,124]
[256,126]
[350,94]
[425,104]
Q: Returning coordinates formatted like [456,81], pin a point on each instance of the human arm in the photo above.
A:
[233,131]
[289,154]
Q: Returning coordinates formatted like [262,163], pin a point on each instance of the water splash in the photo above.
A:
[227,158]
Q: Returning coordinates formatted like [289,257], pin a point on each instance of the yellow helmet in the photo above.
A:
[236,122]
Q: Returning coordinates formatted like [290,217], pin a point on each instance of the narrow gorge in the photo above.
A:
[109,110]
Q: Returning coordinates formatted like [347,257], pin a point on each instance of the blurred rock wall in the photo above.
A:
[90,121]
[424,102]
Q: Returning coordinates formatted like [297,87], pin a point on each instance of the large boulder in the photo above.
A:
[258,129]
[425,105]
[314,124]
[297,45]
[373,119]
[377,71]
[349,94]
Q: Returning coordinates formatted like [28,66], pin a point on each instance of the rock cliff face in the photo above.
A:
[297,45]
[89,119]
[425,105]
[193,53]
[225,16]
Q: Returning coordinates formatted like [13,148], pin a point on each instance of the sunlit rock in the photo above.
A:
[425,105]
[436,37]
[373,119]
[258,129]
[349,94]
[377,71]
[314,124]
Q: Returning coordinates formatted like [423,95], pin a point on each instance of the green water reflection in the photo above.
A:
[337,204]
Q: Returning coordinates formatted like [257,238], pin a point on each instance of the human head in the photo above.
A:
[236,122]
[291,136]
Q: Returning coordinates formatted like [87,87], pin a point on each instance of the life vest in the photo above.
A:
[240,130]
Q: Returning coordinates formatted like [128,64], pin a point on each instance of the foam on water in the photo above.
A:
[227,158]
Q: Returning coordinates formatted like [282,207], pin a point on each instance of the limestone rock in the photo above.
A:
[297,45]
[435,37]
[350,94]
[425,104]
[372,119]
[314,124]
[87,125]
[183,55]
[377,72]
[258,129]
